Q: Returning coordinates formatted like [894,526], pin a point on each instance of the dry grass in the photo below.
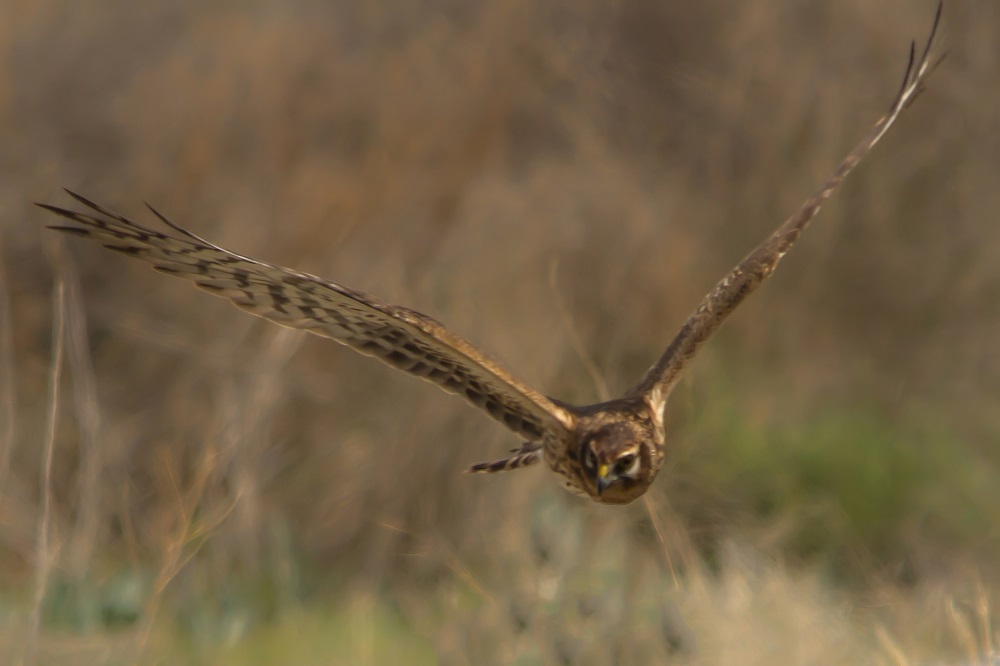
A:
[536,176]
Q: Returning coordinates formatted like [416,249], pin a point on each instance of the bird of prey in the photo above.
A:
[609,452]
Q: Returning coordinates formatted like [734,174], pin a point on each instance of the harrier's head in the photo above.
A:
[617,461]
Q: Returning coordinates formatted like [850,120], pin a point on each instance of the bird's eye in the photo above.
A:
[624,463]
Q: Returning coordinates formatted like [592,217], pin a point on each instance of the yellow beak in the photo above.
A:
[602,478]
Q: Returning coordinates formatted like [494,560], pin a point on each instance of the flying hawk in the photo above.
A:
[610,451]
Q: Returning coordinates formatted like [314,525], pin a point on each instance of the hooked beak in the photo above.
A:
[604,479]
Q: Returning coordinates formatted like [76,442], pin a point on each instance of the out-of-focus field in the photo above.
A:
[559,182]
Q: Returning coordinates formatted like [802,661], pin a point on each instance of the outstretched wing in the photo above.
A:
[396,335]
[756,266]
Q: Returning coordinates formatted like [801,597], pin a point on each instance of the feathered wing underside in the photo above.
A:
[400,337]
[529,454]
[655,386]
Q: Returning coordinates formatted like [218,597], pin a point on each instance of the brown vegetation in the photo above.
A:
[528,173]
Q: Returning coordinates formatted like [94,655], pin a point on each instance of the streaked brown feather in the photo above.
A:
[398,336]
[749,273]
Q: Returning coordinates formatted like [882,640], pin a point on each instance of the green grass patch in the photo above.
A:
[849,483]
[365,631]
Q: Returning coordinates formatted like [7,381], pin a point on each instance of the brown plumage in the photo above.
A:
[610,452]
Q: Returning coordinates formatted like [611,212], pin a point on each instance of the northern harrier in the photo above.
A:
[610,452]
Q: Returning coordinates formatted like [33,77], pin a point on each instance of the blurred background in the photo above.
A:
[560,183]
